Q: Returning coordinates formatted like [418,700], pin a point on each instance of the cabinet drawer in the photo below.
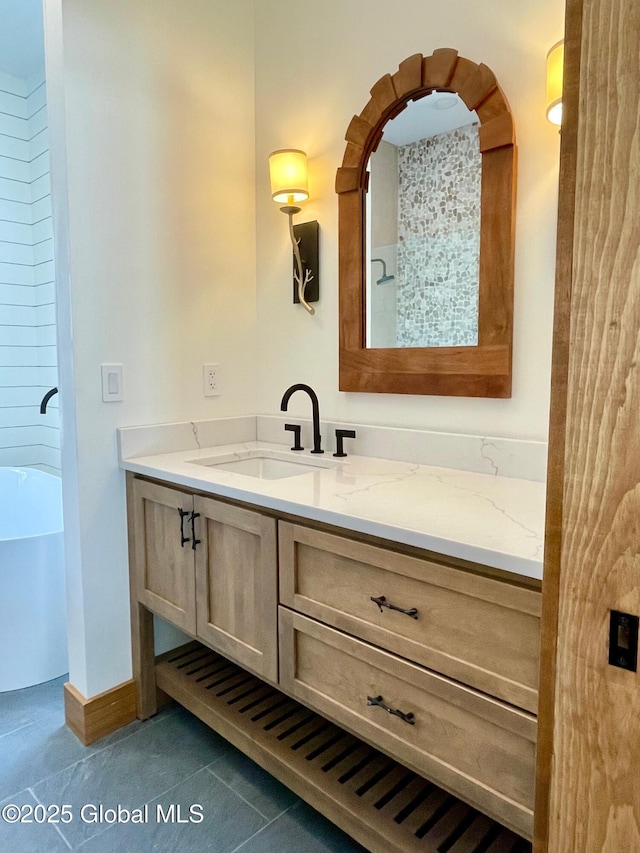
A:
[474,746]
[479,630]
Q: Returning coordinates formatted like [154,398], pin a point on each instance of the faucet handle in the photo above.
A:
[296,430]
[341,434]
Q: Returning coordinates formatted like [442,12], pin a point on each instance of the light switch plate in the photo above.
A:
[111,383]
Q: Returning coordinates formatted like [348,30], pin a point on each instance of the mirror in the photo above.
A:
[426,212]
[423,227]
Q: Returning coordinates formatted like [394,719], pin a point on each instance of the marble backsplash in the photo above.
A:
[505,457]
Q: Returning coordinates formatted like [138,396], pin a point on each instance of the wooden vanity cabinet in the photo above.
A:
[433,665]
[210,569]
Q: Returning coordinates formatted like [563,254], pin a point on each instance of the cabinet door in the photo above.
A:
[164,563]
[236,584]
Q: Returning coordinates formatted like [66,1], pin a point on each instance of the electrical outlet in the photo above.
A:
[211,378]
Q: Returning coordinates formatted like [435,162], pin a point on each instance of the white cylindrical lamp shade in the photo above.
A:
[555,65]
[288,174]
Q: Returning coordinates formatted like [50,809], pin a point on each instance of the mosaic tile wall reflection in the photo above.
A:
[439,240]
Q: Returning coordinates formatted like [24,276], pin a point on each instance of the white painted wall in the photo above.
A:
[315,64]
[152,129]
[155,184]
[27,311]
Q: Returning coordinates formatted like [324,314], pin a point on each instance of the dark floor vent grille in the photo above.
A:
[381,803]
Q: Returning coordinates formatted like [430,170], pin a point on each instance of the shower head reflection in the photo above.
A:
[385,278]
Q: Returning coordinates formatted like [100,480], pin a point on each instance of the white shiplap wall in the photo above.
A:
[27,310]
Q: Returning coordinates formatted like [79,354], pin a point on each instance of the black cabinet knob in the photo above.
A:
[341,434]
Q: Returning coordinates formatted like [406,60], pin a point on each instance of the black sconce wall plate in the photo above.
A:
[307,235]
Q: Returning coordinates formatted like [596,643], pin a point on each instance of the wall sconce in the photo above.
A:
[555,65]
[289,186]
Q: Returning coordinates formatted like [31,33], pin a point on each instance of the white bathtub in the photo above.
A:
[33,640]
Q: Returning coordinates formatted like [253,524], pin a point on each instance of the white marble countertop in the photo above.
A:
[489,519]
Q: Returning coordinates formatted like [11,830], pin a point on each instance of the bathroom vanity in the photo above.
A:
[355,631]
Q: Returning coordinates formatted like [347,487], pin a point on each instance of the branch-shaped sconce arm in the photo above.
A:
[301,280]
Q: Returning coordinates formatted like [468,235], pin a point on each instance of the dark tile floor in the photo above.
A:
[173,760]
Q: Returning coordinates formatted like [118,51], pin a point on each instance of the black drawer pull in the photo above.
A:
[194,542]
[381,601]
[406,718]
[183,539]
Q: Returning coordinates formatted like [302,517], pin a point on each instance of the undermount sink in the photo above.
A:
[263,466]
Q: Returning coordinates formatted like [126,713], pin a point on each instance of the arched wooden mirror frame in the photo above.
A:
[474,371]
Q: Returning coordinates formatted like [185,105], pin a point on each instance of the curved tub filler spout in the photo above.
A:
[45,400]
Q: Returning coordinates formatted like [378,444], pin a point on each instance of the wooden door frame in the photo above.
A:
[587,747]
[557,421]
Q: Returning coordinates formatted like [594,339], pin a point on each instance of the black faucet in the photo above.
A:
[45,400]
[314,407]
